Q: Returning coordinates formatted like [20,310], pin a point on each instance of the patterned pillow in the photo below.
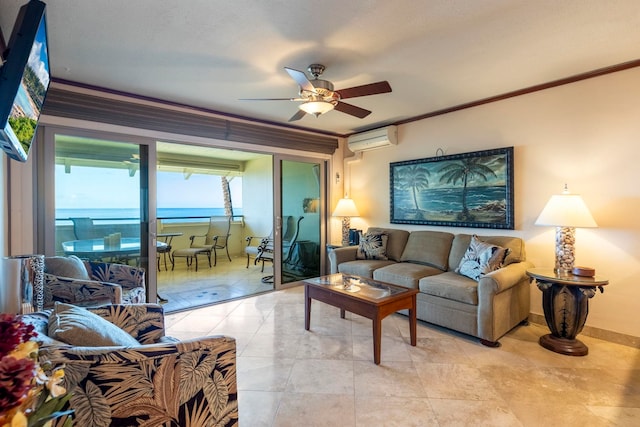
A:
[372,246]
[481,258]
[80,327]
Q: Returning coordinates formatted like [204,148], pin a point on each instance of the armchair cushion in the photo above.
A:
[79,327]
[63,266]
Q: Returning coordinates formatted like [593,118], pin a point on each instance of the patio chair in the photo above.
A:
[289,237]
[84,229]
[217,237]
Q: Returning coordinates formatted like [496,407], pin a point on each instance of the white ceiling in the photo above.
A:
[434,53]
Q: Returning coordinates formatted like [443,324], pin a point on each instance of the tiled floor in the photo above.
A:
[185,288]
[326,376]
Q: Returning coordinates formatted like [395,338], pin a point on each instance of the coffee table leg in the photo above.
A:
[307,308]
[342,313]
[412,321]
[377,338]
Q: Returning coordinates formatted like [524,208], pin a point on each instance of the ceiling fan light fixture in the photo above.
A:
[316,107]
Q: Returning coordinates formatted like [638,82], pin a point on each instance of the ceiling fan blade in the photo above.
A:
[364,90]
[297,116]
[301,79]
[271,99]
[358,112]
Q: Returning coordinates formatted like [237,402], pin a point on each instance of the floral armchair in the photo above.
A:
[92,283]
[161,382]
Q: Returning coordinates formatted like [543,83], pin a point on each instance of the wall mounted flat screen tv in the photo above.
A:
[24,80]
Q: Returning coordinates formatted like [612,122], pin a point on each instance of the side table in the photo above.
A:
[565,301]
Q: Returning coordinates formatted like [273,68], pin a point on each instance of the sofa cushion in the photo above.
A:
[397,240]
[363,268]
[461,243]
[373,245]
[450,286]
[71,267]
[404,274]
[79,327]
[429,248]
[481,258]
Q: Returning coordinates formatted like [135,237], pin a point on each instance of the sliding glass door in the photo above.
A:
[98,199]
[299,222]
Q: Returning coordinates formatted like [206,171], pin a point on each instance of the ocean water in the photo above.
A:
[116,213]
[449,199]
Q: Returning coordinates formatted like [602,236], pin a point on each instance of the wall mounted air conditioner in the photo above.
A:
[376,138]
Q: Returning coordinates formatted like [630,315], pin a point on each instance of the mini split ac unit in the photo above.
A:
[376,138]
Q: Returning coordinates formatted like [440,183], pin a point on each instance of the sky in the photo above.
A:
[113,188]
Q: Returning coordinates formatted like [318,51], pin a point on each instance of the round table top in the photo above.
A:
[550,275]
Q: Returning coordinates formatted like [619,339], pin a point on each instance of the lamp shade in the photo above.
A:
[566,210]
[316,107]
[346,208]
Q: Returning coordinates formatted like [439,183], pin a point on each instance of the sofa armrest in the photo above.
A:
[144,322]
[79,292]
[185,383]
[339,255]
[503,278]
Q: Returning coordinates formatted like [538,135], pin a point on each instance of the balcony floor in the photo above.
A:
[185,288]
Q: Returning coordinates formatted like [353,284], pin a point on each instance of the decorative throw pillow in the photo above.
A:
[71,267]
[481,258]
[372,246]
[80,327]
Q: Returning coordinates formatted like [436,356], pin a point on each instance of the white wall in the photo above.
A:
[257,197]
[586,134]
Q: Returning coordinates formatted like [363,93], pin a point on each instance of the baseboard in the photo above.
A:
[590,331]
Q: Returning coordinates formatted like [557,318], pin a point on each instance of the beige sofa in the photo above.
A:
[426,260]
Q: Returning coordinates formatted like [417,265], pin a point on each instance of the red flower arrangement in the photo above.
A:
[28,396]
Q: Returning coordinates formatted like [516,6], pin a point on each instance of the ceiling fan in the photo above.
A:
[318,97]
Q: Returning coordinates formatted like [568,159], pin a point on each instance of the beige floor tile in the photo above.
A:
[315,410]
[272,345]
[263,373]
[455,381]
[557,413]
[392,348]
[476,413]
[392,379]
[394,412]
[313,346]
[321,377]
[258,408]
[617,416]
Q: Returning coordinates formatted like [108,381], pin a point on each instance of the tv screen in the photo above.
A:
[24,80]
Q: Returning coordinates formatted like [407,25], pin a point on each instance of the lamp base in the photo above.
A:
[346,224]
[565,249]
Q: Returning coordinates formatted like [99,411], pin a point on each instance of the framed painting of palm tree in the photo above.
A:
[460,190]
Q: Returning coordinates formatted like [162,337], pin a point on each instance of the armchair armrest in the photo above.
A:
[127,276]
[80,292]
[339,255]
[144,322]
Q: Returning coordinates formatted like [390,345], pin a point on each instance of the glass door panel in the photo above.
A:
[99,207]
[300,223]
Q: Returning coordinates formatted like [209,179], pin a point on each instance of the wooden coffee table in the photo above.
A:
[369,298]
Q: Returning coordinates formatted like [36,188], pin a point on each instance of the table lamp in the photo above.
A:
[566,211]
[346,209]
